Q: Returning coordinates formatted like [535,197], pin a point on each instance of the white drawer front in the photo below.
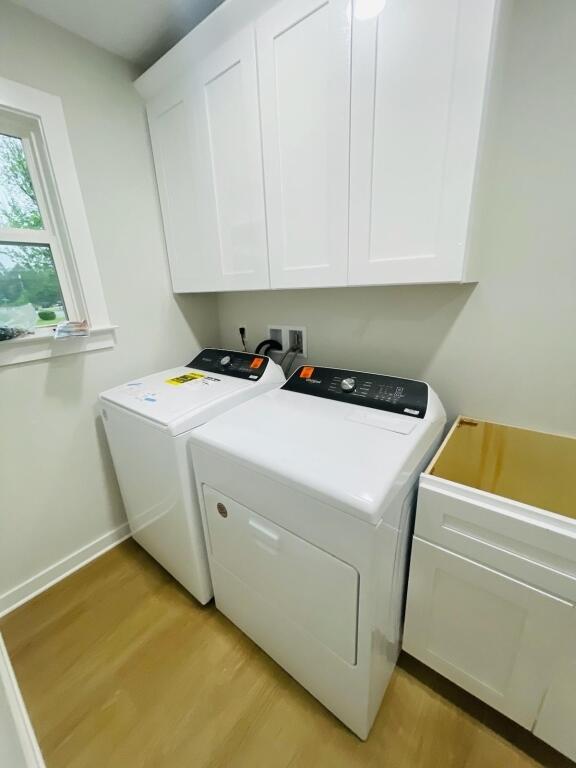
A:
[488,633]
[310,587]
[501,536]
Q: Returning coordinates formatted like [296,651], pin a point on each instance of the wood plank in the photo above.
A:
[120,667]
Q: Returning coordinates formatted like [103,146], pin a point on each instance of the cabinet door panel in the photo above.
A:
[303,60]
[230,166]
[557,718]
[419,74]
[491,634]
[187,229]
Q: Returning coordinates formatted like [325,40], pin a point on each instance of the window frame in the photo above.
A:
[27,131]
[37,118]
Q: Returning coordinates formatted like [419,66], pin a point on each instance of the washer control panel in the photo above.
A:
[240,365]
[372,390]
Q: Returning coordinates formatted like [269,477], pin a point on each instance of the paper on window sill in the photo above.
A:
[71,328]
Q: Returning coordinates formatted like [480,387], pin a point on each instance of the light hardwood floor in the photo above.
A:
[120,668]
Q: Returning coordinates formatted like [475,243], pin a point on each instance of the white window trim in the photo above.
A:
[40,116]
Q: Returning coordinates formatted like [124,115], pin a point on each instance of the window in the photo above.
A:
[30,291]
[48,269]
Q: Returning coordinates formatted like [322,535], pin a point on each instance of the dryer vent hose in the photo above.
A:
[265,346]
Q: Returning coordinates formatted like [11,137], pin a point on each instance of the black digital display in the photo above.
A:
[372,390]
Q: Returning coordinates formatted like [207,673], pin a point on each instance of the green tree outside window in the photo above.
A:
[27,272]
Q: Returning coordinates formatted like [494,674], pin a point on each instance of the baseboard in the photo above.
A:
[16,596]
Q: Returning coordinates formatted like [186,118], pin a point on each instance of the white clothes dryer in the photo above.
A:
[308,494]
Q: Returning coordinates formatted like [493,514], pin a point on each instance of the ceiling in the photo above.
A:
[138,30]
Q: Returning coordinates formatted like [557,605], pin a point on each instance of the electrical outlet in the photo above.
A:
[297,337]
[288,336]
[239,337]
[276,332]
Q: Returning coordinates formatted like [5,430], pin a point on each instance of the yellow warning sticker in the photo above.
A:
[186,377]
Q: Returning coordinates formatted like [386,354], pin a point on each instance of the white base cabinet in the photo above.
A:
[313,143]
[492,585]
[556,723]
[490,634]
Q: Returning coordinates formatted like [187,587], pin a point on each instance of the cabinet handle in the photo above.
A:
[222,511]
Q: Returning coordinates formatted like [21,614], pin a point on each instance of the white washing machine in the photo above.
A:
[307,497]
[148,422]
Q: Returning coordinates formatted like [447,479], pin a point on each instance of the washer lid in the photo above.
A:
[180,399]
[350,456]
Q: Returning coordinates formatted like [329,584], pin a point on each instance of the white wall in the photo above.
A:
[502,350]
[505,349]
[57,488]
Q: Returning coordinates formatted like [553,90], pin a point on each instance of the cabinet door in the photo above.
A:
[493,635]
[175,139]
[303,65]
[230,162]
[556,724]
[419,76]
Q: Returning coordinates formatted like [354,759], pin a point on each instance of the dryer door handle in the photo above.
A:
[269,538]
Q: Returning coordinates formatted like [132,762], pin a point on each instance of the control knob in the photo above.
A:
[348,385]
[225,361]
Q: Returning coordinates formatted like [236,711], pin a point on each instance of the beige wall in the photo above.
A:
[506,348]
[57,490]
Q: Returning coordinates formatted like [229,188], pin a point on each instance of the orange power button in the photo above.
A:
[306,372]
[257,362]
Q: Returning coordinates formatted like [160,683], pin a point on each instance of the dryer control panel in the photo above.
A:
[372,390]
[240,365]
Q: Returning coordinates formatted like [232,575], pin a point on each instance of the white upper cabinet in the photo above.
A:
[230,168]
[208,155]
[174,143]
[304,71]
[312,143]
[419,80]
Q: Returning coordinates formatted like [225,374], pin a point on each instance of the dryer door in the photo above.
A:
[309,587]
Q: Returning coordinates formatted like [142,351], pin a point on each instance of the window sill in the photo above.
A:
[43,345]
